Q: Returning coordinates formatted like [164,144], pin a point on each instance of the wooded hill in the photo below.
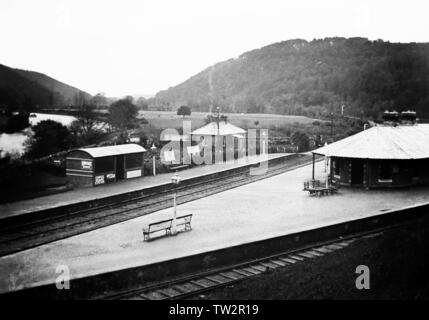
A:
[313,79]
[21,89]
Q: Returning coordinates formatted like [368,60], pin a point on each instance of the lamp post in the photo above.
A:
[175,180]
[153,149]
[264,134]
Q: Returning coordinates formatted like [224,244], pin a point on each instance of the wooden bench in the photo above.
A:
[157,227]
[320,188]
[181,167]
[322,191]
[183,223]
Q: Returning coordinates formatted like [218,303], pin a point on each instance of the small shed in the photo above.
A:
[101,165]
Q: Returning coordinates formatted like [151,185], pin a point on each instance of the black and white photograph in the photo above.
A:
[214,154]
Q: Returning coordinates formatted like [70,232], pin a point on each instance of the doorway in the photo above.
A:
[357,171]
[120,167]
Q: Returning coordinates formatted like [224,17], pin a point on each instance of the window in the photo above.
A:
[336,165]
[415,169]
[105,164]
[133,161]
[385,173]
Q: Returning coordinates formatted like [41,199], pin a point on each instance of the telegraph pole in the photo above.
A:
[218,120]
[332,126]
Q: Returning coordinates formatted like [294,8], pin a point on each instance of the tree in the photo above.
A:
[99,100]
[83,138]
[129,98]
[184,111]
[301,140]
[79,99]
[49,137]
[87,117]
[123,114]
[213,118]
[142,103]
[254,105]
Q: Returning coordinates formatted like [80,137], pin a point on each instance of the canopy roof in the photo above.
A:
[383,142]
[113,150]
[225,129]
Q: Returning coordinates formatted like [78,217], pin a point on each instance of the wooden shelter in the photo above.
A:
[101,165]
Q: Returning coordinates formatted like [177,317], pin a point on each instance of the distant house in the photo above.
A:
[229,138]
[223,129]
[392,154]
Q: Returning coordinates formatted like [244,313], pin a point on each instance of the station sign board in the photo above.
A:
[99,180]
[134,174]
[169,155]
[193,150]
[86,165]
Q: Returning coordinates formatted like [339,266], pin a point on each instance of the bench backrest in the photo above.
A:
[185,218]
[179,167]
[312,184]
[160,225]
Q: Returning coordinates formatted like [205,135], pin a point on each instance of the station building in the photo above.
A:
[224,137]
[101,165]
[392,154]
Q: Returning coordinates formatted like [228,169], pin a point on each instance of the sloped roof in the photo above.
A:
[383,142]
[113,150]
[225,129]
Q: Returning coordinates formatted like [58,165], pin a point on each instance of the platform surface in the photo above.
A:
[267,208]
[92,193]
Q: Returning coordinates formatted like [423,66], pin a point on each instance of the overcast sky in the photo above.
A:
[144,46]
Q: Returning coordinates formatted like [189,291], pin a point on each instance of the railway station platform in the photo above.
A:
[123,187]
[261,210]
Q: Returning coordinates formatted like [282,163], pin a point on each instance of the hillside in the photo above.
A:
[313,79]
[67,92]
[28,89]
[17,91]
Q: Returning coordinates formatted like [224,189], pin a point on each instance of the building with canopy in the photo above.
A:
[387,155]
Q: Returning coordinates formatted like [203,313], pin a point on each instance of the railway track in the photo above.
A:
[197,284]
[36,232]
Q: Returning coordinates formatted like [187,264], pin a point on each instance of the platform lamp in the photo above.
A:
[175,180]
[264,134]
[153,149]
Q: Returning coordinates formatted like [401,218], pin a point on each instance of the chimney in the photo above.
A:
[390,117]
[408,117]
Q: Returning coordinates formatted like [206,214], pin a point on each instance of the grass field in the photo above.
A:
[169,119]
